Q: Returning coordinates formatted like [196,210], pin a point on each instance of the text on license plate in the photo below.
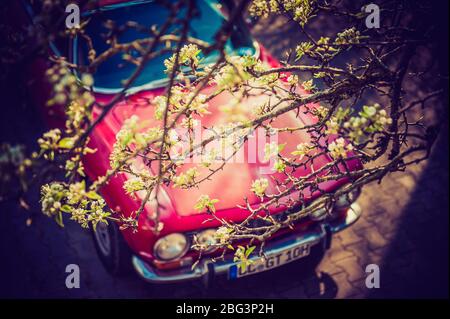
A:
[272,261]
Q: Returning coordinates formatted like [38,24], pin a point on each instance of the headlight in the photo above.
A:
[346,200]
[171,246]
[207,239]
[320,213]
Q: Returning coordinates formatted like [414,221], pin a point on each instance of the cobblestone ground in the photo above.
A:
[403,229]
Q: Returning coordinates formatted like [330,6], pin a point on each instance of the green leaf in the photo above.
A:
[368,111]
[66,143]
[59,219]
[140,139]
[81,171]
[249,251]
[126,139]
[66,208]
[93,195]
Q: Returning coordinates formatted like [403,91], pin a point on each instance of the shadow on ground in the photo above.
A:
[417,262]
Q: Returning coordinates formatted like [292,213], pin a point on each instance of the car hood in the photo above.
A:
[231,184]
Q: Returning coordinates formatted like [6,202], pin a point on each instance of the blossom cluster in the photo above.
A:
[301,10]
[371,119]
[84,206]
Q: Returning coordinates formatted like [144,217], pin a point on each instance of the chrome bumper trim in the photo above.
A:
[205,267]
[353,214]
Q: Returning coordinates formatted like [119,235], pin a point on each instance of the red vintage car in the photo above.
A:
[168,257]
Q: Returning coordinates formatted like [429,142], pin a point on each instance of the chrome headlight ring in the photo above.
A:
[207,239]
[171,246]
[347,199]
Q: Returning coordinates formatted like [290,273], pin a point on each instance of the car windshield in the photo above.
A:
[111,73]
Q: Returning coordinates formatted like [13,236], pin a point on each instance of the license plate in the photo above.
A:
[272,261]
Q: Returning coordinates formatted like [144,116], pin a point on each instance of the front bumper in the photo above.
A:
[207,269]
